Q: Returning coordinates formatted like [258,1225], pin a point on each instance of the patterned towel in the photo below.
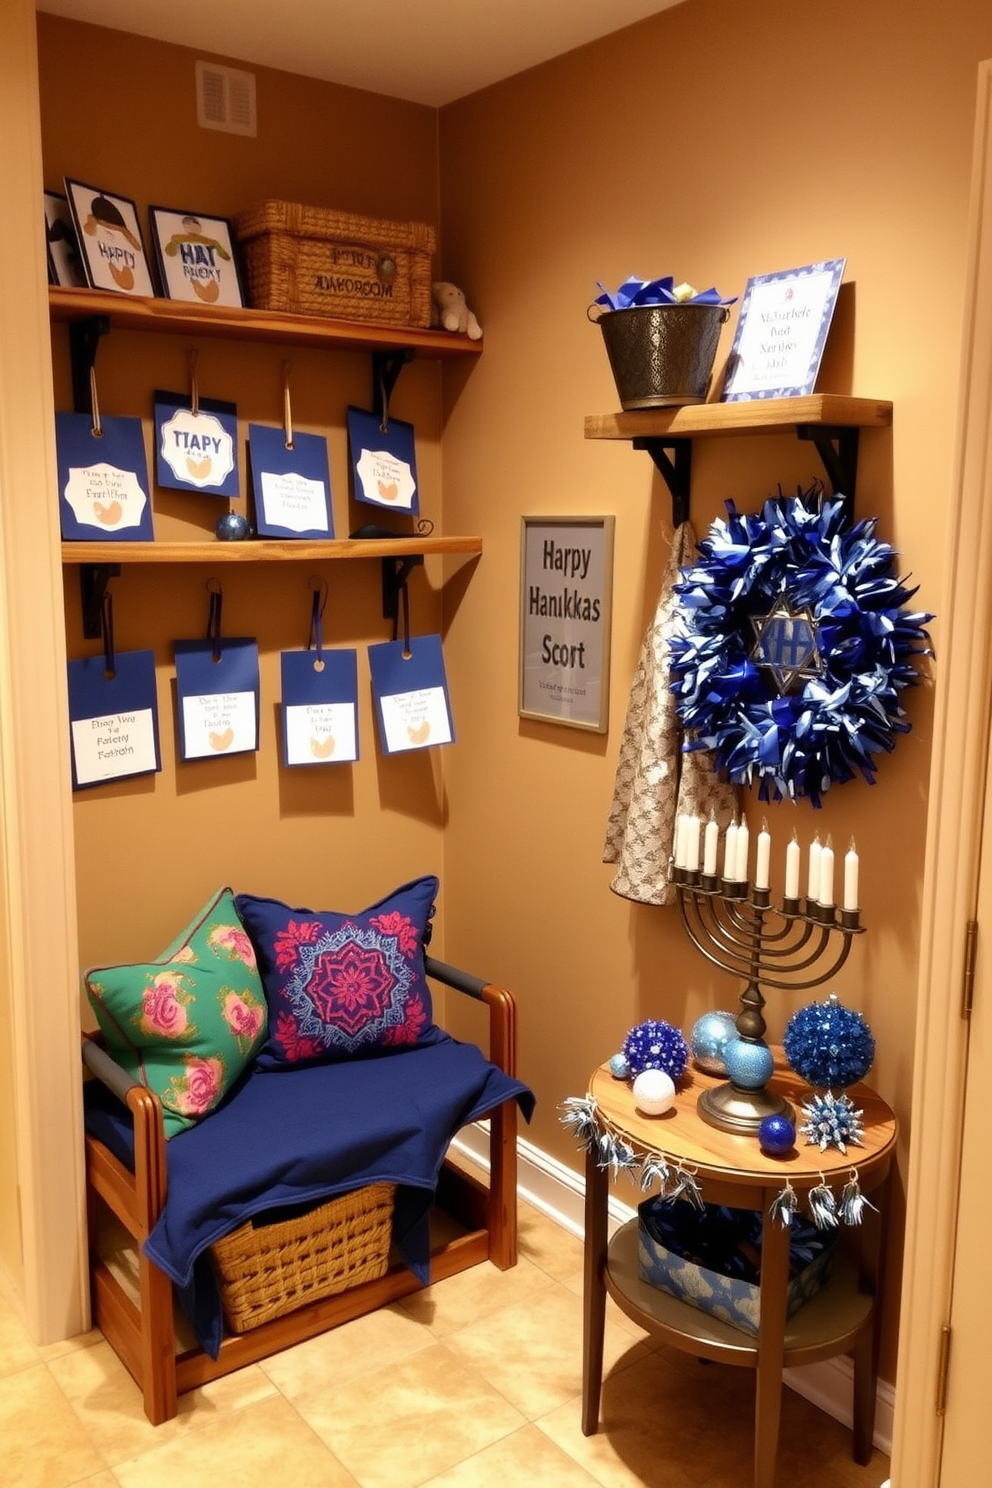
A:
[655,780]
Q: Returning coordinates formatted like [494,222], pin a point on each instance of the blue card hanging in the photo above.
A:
[196,441]
[290,479]
[410,690]
[319,699]
[383,460]
[103,476]
[216,691]
[113,712]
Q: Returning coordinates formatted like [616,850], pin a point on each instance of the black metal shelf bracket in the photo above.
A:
[395,572]
[837,446]
[386,368]
[93,581]
[84,340]
[675,469]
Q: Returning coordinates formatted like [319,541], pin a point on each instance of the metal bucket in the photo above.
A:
[662,354]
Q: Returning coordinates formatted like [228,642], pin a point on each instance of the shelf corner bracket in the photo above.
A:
[84,341]
[837,446]
[386,368]
[395,572]
[93,581]
[675,469]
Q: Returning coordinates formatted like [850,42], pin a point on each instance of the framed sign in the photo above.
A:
[781,332]
[65,264]
[109,237]
[566,590]
[196,259]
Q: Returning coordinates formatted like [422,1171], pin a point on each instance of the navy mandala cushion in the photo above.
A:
[340,985]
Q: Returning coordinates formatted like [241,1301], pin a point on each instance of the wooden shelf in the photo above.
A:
[265,551]
[175,317]
[830,421]
[761,416]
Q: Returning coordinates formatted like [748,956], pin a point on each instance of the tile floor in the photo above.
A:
[473,1383]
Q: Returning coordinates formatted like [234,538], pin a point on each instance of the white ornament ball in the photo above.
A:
[654,1092]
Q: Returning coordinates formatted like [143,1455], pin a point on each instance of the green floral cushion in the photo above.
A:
[187,1023]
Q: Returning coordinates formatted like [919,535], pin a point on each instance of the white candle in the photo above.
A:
[680,840]
[813,870]
[741,853]
[711,838]
[730,851]
[851,878]
[763,858]
[826,895]
[792,869]
[692,825]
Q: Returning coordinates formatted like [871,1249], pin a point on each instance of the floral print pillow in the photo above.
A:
[188,1023]
[341,985]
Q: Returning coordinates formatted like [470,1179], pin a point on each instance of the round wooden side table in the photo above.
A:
[732,1170]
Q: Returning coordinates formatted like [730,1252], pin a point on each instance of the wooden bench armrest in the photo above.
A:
[501,1005]
[150,1176]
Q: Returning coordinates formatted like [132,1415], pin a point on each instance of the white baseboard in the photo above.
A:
[559,1193]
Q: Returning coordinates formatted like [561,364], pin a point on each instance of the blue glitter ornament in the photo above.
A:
[619,1068]
[829,1045]
[656,1045]
[232,527]
[709,1039]
[776,1135]
[749,1063]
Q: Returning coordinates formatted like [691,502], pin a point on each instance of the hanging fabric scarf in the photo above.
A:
[655,781]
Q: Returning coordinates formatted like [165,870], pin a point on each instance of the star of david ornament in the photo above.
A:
[786,645]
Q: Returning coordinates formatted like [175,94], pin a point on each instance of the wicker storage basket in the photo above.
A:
[314,261]
[268,1271]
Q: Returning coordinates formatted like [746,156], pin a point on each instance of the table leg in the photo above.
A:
[771,1344]
[593,1292]
[866,1349]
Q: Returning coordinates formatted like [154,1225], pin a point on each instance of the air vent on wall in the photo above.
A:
[225,99]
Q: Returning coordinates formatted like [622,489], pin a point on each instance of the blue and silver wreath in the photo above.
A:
[795,646]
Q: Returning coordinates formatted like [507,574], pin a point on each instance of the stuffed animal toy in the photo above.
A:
[451,312]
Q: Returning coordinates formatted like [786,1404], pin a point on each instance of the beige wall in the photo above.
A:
[712,142]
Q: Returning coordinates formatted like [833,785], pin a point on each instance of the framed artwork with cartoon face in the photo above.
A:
[110,241]
[196,257]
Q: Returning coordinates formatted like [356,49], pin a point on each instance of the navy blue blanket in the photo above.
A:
[291,1139]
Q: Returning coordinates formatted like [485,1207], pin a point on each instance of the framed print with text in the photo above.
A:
[109,237]
[781,332]
[65,266]
[196,258]
[566,591]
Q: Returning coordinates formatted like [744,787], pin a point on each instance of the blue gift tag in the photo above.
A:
[292,485]
[320,707]
[103,479]
[196,451]
[411,694]
[383,461]
[113,719]
[216,697]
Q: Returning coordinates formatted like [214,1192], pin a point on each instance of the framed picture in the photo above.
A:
[781,332]
[196,258]
[110,240]
[566,591]
[65,265]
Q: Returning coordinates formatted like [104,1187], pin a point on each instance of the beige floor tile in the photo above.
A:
[359,1347]
[271,1447]
[108,1402]
[43,1444]
[527,1457]
[533,1355]
[17,1351]
[474,1294]
[547,1244]
[70,1345]
[411,1421]
[658,1427]
[614,1314]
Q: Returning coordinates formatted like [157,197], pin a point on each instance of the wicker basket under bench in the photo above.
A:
[143,1336]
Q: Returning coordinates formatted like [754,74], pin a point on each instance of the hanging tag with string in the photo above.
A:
[290,478]
[103,476]
[113,711]
[383,454]
[410,687]
[216,689]
[319,697]
[196,440]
